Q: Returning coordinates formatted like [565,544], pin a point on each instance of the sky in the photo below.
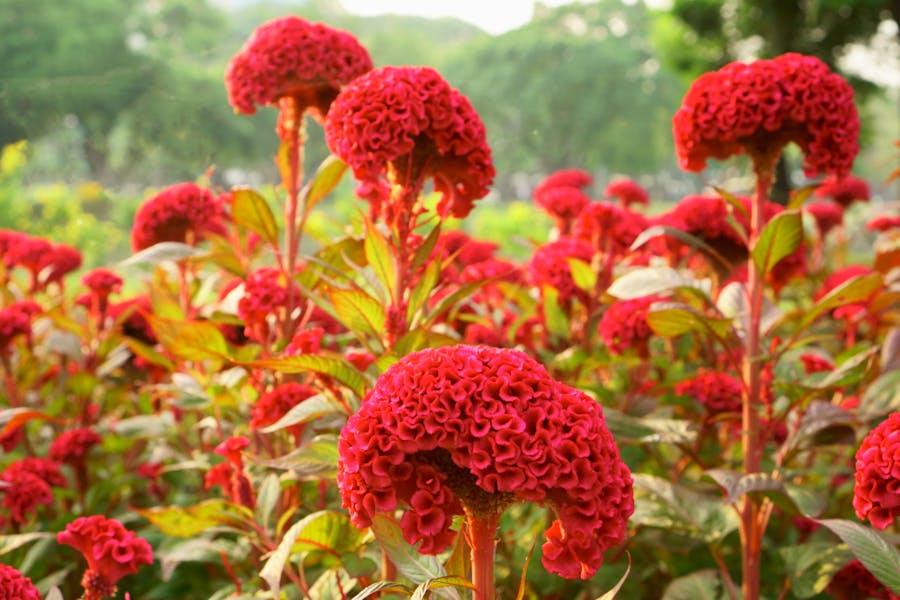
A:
[494,16]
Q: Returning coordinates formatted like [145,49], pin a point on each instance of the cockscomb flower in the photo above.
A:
[398,126]
[815,363]
[718,392]
[575,178]
[884,223]
[290,57]
[563,204]
[264,300]
[854,581]
[876,495]
[15,321]
[276,403]
[184,213]
[57,263]
[102,282]
[706,217]
[73,446]
[15,586]
[28,252]
[305,341]
[759,107]
[474,429]
[624,325]
[111,551]
[28,484]
[628,192]
[134,323]
[608,227]
[232,449]
[826,214]
[844,190]
[549,266]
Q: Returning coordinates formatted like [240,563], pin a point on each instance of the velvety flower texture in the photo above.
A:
[476,428]
[401,125]
[28,485]
[624,324]
[706,216]
[876,495]
[102,282]
[291,57]
[717,392]
[73,446]
[549,266]
[759,107]
[845,191]
[182,213]
[884,223]
[562,203]
[111,551]
[265,296]
[15,586]
[609,228]
[628,192]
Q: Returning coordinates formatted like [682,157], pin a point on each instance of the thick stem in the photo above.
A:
[292,133]
[482,531]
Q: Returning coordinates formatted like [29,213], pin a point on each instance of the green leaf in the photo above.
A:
[331,365]
[851,370]
[812,566]
[880,397]
[880,558]
[554,317]
[379,257]
[190,340]
[191,550]
[190,521]
[671,319]
[701,585]
[11,418]
[818,416]
[249,209]
[417,567]
[267,498]
[316,460]
[327,177]
[780,237]
[611,594]
[584,276]
[8,543]
[857,289]
[799,196]
[736,485]
[307,410]
[422,291]
[660,503]
[162,252]
[682,236]
[649,429]
[647,281]
[359,312]
[436,583]
[381,586]
[424,250]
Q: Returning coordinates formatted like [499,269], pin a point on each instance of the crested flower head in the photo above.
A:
[73,446]
[276,403]
[474,429]
[400,125]
[718,392]
[575,178]
[844,190]
[232,449]
[291,57]
[624,325]
[707,217]
[15,586]
[608,227]
[265,296]
[884,223]
[28,484]
[549,266]
[102,282]
[876,495]
[855,581]
[758,107]
[627,191]
[57,263]
[111,551]
[182,213]
[563,204]
[15,321]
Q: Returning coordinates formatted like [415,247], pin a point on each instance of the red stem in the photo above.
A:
[482,531]
[292,121]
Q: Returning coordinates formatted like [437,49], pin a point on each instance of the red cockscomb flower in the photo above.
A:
[717,392]
[845,190]
[28,485]
[232,449]
[549,266]
[624,325]
[576,178]
[15,586]
[610,228]
[706,217]
[884,223]
[102,282]
[15,321]
[134,323]
[289,57]
[401,125]
[57,263]
[759,107]
[72,446]
[182,213]
[876,495]
[854,582]
[628,192]
[111,551]
[474,429]
[815,363]
[563,204]
[28,252]
[827,215]
[265,298]
[305,341]
[274,404]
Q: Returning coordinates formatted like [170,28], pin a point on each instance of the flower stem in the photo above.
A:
[292,134]
[482,530]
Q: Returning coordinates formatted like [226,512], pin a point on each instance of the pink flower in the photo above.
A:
[845,190]
[474,428]
[291,57]
[717,392]
[274,404]
[401,125]
[627,191]
[854,582]
[182,213]
[624,325]
[111,551]
[876,495]
[827,215]
[15,586]
[759,107]
[549,266]
[73,446]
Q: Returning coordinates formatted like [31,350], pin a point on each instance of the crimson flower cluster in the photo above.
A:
[274,404]
[15,586]
[876,495]
[475,428]
[575,178]
[47,262]
[705,216]
[184,213]
[628,192]
[549,266]
[561,196]
[401,125]
[291,57]
[757,108]
[15,321]
[624,325]
[855,581]
[29,483]
[73,446]
[230,475]
[609,228]
[111,551]
[265,295]
[884,223]
[718,392]
[845,191]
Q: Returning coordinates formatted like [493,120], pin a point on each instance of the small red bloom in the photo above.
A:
[219,475]
[29,482]
[474,428]
[305,341]
[360,360]
[876,495]
[815,363]
[628,192]
[72,446]
[264,300]
[232,448]
[845,190]
[610,228]
[102,282]
[827,215]
[111,551]
[291,57]
[549,266]
[624,325]
[576,178]
[563,204]
[838,278]
[15,321]
[707,217]
[15,586]
[759,107]
[134,323]
[718,392]
[854,582]
[182,213]
[401,125]
[884,223]
[274,404]
[28,252]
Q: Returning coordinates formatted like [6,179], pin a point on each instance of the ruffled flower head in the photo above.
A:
[845,190]
[884,223]
[717,392]
[706,217]
[397,126]
[624,325]
[73,446]
[549,266]
[274,404]
[28,484]
[574,178]
[15,321]
[289,57]
[608,227]
[15,586]
[759,107]
[876,495]
[628,192]
[474,429]
[182,213]
[111,551]
[57,263]
[265,298]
